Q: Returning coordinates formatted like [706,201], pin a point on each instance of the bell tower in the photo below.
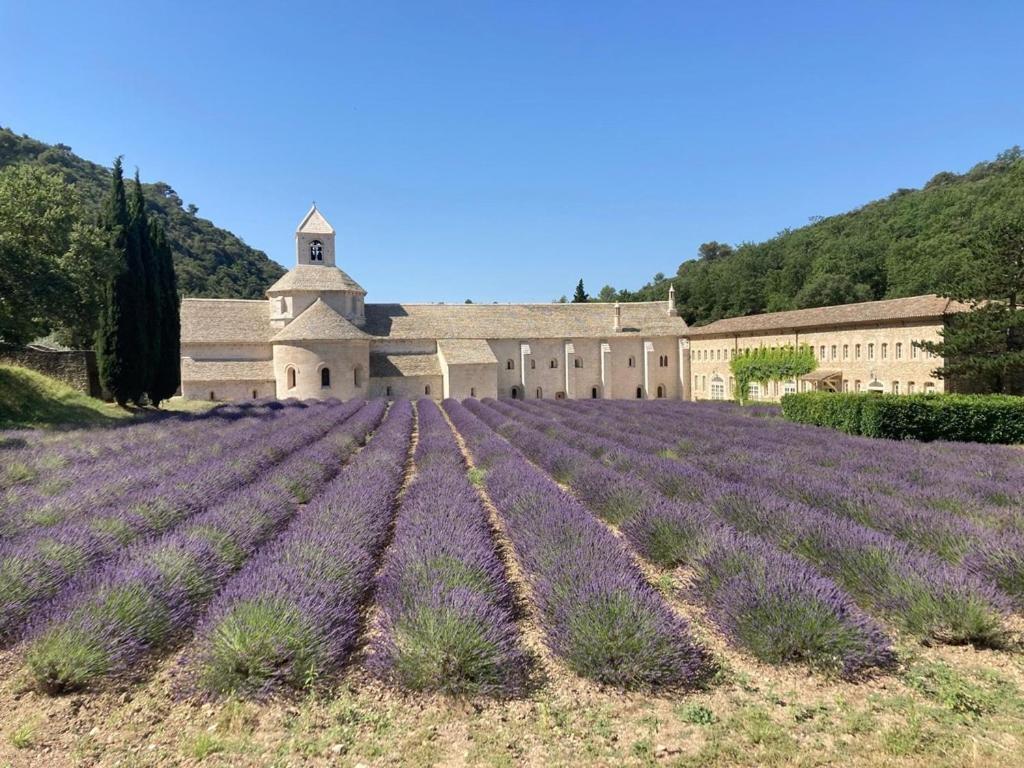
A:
[314,240]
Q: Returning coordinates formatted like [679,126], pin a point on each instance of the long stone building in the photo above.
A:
[315,336]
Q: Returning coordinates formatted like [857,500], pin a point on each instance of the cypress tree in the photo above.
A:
[168,368]
[150,302]
[118,339]
[580,296]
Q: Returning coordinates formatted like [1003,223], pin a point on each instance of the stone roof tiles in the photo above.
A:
[384,365]
[314,223]
[225,321]
[466,351]
[234,370]
[518,321]
[315,277]
[928,307]
[319,323]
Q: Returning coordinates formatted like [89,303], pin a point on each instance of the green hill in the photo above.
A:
[914,241]
[209,261]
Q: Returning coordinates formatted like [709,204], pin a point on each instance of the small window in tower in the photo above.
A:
[291,378]
[387,391]
[553,363]
[316,251]
[577,363]
[426,390]
[639,393]
[325,377]
[510,365]
[533,365]
[631,363]
[472,391]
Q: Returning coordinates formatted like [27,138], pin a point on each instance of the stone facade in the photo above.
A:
[873,351]
[315,336]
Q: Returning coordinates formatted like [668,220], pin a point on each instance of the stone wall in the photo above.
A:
[76,368]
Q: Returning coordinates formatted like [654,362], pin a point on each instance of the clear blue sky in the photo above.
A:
[501,151]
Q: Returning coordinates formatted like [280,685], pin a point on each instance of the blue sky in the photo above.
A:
[501,151]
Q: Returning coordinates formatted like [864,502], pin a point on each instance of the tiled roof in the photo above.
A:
[929,307]
[225,321]
[314,223]
[466,351]
[235,370]
[382,365]
[315,277]
[319,323]
[519,321]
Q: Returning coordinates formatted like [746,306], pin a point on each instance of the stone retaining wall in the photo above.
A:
[76,368]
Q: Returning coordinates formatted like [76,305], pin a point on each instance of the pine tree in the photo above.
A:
[118,340]
[150,303]
[580,296]
[168,368]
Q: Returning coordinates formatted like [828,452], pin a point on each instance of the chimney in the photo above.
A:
[617,323]
[672,311]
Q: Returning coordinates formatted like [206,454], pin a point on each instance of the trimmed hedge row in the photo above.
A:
[962,418]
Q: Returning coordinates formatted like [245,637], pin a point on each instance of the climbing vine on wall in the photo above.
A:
[762,365]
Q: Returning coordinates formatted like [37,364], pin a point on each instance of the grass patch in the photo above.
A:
[30,399]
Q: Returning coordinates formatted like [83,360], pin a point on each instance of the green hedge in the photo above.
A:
[965,418]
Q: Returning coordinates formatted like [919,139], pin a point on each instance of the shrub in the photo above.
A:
[962,418]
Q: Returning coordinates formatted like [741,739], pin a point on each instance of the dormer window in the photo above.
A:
[316,251]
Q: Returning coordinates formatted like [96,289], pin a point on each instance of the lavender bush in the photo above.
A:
[599,613]
[445,605]
[292,615]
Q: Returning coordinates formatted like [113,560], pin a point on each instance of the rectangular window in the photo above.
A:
[899,351]
[789,388]
[895,387]
[821,351]
[834,357]
[913,351]
[856,385]
[910,387]
[885,351]
[871,351]
[846,385]
[856,352]
[846,351]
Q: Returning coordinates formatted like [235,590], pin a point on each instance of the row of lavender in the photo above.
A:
[766,601]
[67,489]
[598,613]
[445,621]
[150,596]
[895,579]
[984,483]
[36,566]
[31,455]
[990,552]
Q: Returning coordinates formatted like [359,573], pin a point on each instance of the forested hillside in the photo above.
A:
[209,261]
[914,241]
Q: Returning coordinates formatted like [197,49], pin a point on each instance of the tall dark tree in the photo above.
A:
[119,338]
[150,303]
[167,374]
[580,296]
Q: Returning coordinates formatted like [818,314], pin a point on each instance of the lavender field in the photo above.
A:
[495,549]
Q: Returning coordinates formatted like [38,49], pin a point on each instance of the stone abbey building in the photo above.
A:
[315,336]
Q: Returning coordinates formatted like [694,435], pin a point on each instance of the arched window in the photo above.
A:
[517,393]
[472,391]
[325,377]
[632,362]
[254,394]
[533,365]
[316,251]
[357,376]
[387,391]
[291,378]
[899,350]
[540,393]
[510,365]
[661,391]
[639,393]
[577,363]
[426,390]
[211,395]
[593,393]
[553,363]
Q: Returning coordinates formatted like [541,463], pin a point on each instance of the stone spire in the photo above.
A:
[617,322]
[672,311]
